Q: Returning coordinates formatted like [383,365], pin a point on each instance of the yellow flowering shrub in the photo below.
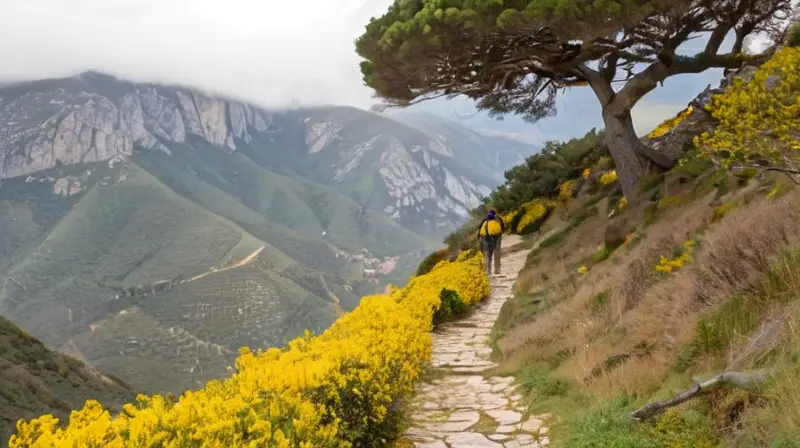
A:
[609,177]
[567,189]
[668,125]
[508,219]
[464,255]
[337,389]
[467,278]
[586,173]
[759,118]
[583,270]
[667,265]
[440,264]
[533,212]
[623,202]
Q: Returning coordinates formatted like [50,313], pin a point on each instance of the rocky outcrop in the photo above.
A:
[681,138]
[95,118]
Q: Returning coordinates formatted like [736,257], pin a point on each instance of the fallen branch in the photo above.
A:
[740,380]
[789,172]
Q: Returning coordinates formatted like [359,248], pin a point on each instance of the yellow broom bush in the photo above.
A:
[337,389]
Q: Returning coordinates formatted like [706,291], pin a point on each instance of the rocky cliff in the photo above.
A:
[424,182]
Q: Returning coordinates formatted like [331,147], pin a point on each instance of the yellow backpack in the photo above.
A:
[491,227]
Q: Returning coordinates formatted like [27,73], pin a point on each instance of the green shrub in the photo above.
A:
[720,212]
[693,166]
[599,302]
[543,172]
[719,179]
[604,252]
[793,36]
[554,239]
[582,215]
[452,306]
[606,424]
[537,379]
[649,181]
[689,430]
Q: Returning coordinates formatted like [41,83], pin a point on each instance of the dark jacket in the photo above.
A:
[496,218]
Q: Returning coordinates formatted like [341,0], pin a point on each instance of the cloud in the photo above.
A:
[267,52]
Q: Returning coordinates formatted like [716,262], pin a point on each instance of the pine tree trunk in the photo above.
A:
[626,150]
[632,157]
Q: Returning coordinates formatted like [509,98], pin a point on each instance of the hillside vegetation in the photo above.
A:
[35,380]
[622,303]
[684,300]
[341,388]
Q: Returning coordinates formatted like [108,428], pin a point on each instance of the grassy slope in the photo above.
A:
[303,206]
[133,231]
[36,381]
[591,348]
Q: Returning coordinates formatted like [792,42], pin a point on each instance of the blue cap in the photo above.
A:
[491,214]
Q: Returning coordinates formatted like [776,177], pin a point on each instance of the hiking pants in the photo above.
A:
[490,245]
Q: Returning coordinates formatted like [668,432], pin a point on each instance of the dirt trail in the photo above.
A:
[243,262]
[463,407]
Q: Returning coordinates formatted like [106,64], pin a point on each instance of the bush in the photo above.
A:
[793,36]
[341,388]
[599,302]
[532,217]
[451,307]
[542,173]
[757,120]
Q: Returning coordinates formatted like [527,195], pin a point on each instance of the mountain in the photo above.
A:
[35,380]
[413,173]
[151,231]
[492,154]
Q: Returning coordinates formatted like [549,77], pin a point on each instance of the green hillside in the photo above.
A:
[306,207]
[35,380]
[128,230]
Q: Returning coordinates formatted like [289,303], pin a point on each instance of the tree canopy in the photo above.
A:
[513,56]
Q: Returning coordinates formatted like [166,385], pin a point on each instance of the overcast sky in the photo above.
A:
[268,52]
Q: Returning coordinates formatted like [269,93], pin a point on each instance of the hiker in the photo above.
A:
[490,234]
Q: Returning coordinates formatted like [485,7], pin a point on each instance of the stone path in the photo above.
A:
[462,407]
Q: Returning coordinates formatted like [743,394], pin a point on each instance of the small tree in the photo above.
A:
[513,56]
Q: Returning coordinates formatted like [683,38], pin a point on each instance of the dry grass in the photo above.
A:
[648,317]
[556,263]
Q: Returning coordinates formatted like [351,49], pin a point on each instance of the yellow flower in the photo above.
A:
[668,265]
[534,210]
[758,118]
[670,124]
[586,173]
[302,395]
[608,177]
[583,270]
[567,189]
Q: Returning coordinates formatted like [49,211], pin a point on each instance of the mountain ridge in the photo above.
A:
[114,194]
[95,117]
